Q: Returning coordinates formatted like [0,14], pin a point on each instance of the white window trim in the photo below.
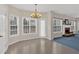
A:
[28,18]
[23,26]
[17,25]
[59,25]
[35,25]
[74,25]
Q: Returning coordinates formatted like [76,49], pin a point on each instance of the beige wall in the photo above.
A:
[4,39]
[48,17]
[22,13]
[48,25]
[58,16]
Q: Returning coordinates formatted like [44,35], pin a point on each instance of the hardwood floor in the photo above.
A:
[39,46]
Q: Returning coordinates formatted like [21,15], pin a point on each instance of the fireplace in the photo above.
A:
[67,30]
[68,33]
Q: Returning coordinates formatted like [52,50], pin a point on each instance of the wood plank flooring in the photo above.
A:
[39,46]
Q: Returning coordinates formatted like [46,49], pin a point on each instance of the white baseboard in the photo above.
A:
[25,39]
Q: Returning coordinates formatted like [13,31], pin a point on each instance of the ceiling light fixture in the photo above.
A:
[36,14]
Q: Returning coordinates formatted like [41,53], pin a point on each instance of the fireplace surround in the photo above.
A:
[68,33]
[67,30]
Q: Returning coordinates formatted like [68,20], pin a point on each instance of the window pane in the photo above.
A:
[26,29]
[13,25]
[13,32]
[32,22]
[15,20]
[57,25]
[72,28]
[32,29]
[54,22]
[13,28]
[25,22]
[58,22]
[72,25]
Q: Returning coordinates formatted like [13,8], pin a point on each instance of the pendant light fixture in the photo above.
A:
[36,14]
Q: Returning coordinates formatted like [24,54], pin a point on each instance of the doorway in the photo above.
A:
[42,28]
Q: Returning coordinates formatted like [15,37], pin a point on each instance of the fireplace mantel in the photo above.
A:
[66,26]
[67,30]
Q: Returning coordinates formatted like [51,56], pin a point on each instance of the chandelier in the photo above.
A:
[36,14]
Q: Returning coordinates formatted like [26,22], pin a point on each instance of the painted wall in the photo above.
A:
[7,40]
[4,32]
[21,36]
[49,16]
[55,15]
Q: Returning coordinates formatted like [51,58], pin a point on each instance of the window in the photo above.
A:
[77,27]
[32,26]
[72,25]
[13,25]
[29,25]
[57,25]
[26,25]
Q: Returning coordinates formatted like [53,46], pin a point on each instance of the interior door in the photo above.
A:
[42,28]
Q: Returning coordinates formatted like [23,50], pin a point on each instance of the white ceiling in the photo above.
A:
[68,9]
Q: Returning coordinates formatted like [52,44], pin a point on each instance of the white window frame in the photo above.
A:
[17,25]
[35,25]
[28,18]
[77,26]
[23,26]
[57,25]
[73,25]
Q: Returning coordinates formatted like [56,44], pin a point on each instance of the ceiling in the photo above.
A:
[67,9]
